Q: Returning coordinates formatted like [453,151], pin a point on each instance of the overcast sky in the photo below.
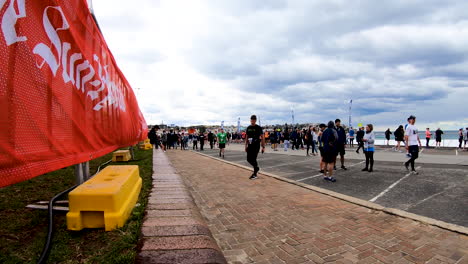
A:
[201,62]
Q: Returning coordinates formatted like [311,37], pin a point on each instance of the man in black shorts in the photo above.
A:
[253,139]
[329,139]
[340,143]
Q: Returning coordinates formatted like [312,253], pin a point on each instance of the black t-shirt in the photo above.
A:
[254,133]
[439,133]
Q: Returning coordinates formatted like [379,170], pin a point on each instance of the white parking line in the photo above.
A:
[285,164]
[310,177]
[391,187]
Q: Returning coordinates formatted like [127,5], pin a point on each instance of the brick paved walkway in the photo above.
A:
[270,221]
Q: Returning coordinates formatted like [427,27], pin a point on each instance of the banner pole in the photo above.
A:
[79,173]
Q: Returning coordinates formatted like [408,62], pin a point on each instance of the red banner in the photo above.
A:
[63,100]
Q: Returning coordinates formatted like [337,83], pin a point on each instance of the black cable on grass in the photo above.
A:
[50,228]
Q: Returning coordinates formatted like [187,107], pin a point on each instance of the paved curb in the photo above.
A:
[173,230]
[426,220]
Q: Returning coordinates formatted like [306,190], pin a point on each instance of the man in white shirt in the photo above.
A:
[412,143]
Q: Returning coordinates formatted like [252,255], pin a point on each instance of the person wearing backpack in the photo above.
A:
[329,139]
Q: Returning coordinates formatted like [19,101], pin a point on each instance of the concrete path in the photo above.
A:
[271,221]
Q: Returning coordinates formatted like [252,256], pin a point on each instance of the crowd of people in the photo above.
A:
[326,140]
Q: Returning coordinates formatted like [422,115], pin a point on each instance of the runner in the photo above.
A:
[412,141]
[340,143]
[222,138]
[254,138]
[273,140]
[368,140]
[438,136]
[329,140]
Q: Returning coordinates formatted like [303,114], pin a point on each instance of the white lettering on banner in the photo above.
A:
[9,21]
[74,68]
[44,51]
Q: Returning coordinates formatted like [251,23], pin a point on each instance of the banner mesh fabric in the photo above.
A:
[63,100]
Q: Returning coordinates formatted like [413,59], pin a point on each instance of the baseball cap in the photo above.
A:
[411,117]
[253,117]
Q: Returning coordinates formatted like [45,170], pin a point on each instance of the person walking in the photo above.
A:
[222,139]
[413,143]
[195,141]
[155,139]
[460,137]
[254,138]
[308,138]
[369,139]
[387,136]
[329,140]
[320,144]
[211,139]
[399,137]
[438,134]
[351,136]
[201,138]
[359,137]
[286,139]
[164,140]
[341,143]
[428,137]
[465,137]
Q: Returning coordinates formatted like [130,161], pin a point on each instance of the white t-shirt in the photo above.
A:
[412,133]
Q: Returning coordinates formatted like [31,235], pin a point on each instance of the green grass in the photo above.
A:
[23,231]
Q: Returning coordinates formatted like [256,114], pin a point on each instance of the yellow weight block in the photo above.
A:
[147,141]
[146,146]
[121,155]
[106,200]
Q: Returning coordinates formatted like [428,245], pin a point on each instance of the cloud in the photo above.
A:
[201,62]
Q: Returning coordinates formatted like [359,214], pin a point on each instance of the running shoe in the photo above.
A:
[329,179]
[365,169]
[322,171]
[357,151]
[343,167]
[253,177]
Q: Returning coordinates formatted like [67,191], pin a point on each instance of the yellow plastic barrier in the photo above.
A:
[106,200]
[121,155]
[146,146]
